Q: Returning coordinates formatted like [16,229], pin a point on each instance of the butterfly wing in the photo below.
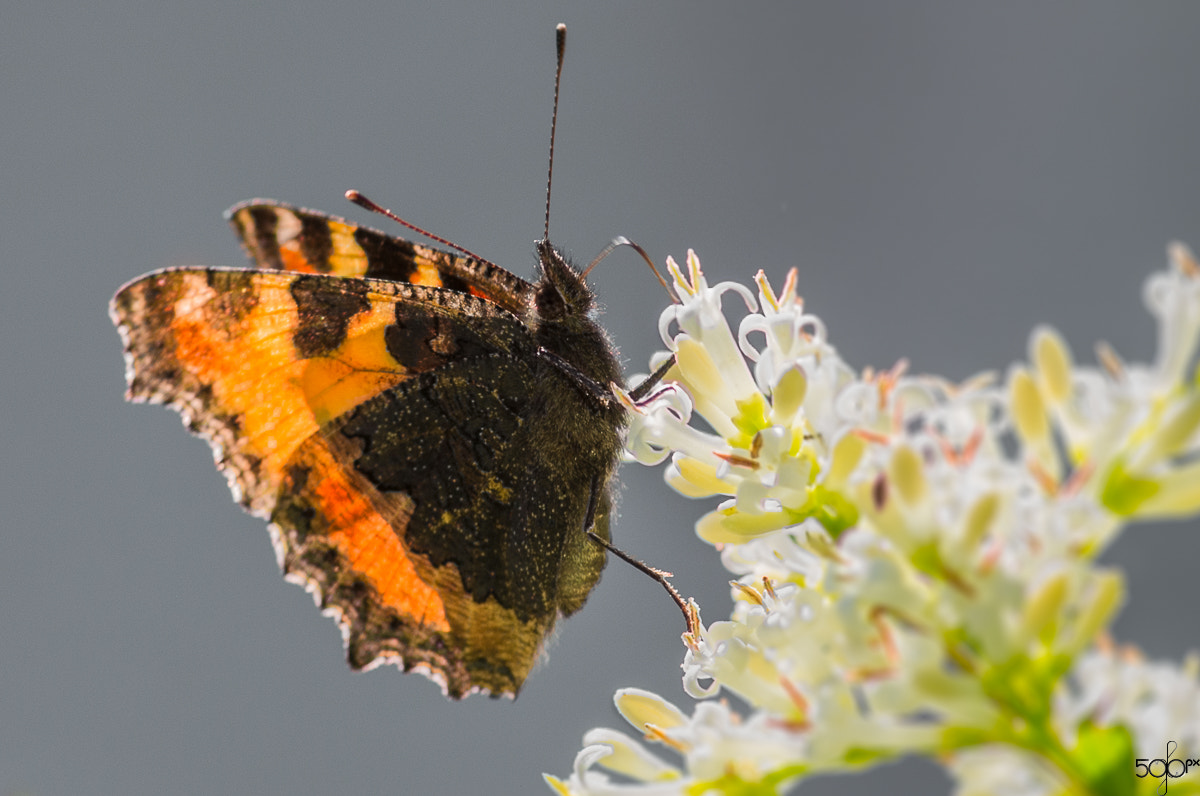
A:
[383,429]
[283,237]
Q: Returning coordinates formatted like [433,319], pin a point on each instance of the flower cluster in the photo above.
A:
[915,559]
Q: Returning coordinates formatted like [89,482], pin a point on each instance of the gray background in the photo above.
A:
[945,175]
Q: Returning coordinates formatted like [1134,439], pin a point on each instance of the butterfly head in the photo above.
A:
[561,292]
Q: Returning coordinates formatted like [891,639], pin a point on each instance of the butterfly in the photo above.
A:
[422,430]
[430,437]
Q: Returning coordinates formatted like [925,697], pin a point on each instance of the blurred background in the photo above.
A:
[944,175]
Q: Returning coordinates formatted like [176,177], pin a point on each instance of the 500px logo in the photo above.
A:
[1168,769]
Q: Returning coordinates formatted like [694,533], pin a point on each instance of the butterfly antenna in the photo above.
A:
[367,204]
[561,42]
[623,241]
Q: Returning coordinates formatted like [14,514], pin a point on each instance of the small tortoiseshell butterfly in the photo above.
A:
[426,432]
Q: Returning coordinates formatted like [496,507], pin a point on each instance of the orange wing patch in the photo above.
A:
[368,542]
[283,238]
[251,366]
[358,369]
[239,380]
[426,274]
[345,257]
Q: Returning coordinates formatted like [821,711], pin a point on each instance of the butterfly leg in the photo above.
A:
[689,615]
[639,392]
[585,383]
[599,392]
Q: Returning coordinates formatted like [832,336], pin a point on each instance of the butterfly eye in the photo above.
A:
[549,301]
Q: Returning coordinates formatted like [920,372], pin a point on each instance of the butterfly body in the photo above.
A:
[423,430]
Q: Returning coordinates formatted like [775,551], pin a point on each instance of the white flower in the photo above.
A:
[915,560]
